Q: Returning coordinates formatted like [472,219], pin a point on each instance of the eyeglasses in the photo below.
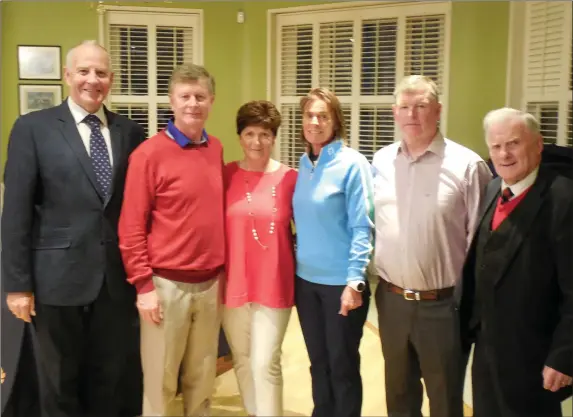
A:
[320,117]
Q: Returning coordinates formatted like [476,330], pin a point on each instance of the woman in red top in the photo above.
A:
[260,259]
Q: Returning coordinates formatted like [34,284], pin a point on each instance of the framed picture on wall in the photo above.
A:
[39,62]
[35,97]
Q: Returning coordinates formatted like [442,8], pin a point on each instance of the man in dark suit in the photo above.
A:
[62,269]
[517,301]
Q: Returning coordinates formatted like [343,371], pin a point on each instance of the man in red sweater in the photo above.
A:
[172,241]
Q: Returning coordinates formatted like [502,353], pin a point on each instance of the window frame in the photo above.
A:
[355,11]
[516,94]
[156,16]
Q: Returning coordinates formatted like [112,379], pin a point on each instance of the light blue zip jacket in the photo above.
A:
[334,216]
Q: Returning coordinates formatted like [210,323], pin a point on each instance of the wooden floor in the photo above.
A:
[297,384]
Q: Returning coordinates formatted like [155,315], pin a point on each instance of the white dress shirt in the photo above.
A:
[79,114]
[426,210]
[522,185]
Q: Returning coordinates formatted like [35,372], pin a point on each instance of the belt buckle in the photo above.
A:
[415,295]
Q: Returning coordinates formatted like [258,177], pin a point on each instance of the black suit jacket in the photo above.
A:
[59,235]
[524,277]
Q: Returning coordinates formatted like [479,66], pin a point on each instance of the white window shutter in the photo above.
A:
[296,60]
[139,113]
[164,113]
[425,40]
[335,57]
[291,146]
[347,113]
[128,48]
[546,47]
[547,115]
[144,48]
[378,60]
[174,47]
[547,84]
[376,128]
[570,126]
[360,53]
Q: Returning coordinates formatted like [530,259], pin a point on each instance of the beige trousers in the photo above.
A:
[182,350]
[255,334]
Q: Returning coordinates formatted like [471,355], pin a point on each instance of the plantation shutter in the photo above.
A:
[144,50]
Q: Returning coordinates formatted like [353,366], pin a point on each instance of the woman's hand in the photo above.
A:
[349,300]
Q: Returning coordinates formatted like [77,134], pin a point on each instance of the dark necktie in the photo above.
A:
[99,154]
[506,195]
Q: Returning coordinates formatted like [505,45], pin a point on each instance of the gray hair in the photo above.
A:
[71,52]
[506,114]
[417,83]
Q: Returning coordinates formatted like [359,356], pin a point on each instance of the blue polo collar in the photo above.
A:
[180,137]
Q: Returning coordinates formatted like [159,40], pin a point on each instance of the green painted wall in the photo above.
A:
[236,55]
[478,63]
[71,22]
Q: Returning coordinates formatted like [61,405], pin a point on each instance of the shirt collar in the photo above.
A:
[437,146]
[180,137]
[520,186]
[79,113]
[328,152]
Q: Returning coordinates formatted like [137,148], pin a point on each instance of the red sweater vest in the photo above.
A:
[172,221]
[503,210]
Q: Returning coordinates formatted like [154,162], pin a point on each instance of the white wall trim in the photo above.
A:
[514,78]
[152,10]
[270,18]
[351,5]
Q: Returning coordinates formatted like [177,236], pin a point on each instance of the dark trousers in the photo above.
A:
[420,339]
[24,398]
[332,342]
[488,400]
[83,355]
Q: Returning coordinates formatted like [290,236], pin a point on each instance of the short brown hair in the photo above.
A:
[191,73]
[258,113]
[334,106]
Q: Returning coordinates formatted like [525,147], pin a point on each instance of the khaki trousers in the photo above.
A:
[255,334]
[181,352]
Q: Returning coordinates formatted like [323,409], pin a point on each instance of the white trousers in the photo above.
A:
[255,334]
[181,352]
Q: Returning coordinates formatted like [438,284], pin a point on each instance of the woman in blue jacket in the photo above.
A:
[333,213]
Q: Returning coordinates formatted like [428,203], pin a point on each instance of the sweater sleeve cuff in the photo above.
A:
[144,286]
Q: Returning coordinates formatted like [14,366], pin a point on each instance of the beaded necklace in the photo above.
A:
[249,198]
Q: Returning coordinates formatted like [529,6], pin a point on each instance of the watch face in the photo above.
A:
[361,286]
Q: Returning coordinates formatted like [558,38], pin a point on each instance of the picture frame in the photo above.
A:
[34,97]
[39,62]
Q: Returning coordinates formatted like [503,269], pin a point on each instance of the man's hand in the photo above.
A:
[149,307]
[21,304]
[349,300]
[554,380]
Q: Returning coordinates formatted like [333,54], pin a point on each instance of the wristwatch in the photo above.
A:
[357,285]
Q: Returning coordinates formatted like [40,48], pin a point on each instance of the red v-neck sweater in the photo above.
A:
[172,221]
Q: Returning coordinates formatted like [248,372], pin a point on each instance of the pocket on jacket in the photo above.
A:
[52,243]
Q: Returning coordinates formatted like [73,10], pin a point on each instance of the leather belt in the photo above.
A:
[412,295]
